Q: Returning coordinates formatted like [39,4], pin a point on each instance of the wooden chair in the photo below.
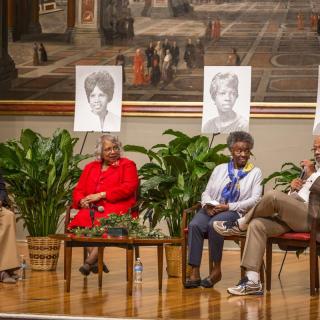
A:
[302,240]
[186,217]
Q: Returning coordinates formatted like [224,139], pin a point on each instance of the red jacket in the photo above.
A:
[119,181]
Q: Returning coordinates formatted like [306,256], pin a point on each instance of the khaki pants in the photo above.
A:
[8,247]
[275,214]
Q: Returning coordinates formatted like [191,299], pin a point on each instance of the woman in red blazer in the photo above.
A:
[110,182]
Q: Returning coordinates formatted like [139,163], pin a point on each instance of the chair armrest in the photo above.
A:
[67,218]
[185,214]
[196,206]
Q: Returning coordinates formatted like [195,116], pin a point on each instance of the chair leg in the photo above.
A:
[85,254]
[262,270]
[268,264]
[68,267]
[313,264]
[129,259]
[127,265]
[64,262]
[184,259]
[242,244]
[100,265]
[317,273]
[210,264]
[282,263]
[160,265]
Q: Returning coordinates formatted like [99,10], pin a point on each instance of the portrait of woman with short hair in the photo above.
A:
[226,108]
[98,98]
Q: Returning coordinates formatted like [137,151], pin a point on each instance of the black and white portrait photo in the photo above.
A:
[316,125]
[226,99]
[98,98]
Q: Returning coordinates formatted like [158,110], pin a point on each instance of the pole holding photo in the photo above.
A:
[213,135]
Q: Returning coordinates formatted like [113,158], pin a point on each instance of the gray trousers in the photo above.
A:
[275,214]
[201,226]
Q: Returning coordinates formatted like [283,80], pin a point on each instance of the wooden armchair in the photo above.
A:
[309,240]
[186,217]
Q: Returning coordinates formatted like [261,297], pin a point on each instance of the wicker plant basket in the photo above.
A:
[174,261]
[43,253]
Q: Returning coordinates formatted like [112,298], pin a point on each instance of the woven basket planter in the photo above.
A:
[43,253]
[174,261]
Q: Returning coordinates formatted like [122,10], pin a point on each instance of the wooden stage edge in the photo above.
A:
[26,316]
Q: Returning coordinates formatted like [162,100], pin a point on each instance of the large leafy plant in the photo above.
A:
[40,173]
[175,176]
[283,178]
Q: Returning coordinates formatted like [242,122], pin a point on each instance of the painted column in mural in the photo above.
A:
[8,70]
[34,25]
[11,19]
[71,17]
[87,30]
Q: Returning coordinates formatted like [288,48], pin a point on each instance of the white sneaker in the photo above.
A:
[228,228]
[246,287]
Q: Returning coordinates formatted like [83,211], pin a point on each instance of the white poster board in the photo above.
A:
[226,99]
[316,125]
[98,98]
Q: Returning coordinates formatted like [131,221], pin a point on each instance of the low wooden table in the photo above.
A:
[127,243]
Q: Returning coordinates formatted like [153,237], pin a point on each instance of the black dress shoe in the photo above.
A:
[206,283]
[190,284]
[85,269]
[94,268]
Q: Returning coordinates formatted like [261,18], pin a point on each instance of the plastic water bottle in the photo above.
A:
[23,266]
[138,268]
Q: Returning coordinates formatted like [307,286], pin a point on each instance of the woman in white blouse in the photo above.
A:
[232,190]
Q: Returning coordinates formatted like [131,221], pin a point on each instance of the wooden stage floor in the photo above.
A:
[43,292]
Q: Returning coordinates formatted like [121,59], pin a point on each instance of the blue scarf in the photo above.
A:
[231,192]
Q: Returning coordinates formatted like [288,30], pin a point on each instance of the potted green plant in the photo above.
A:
[283,178]
[117,226]
[175,177]
[41,173]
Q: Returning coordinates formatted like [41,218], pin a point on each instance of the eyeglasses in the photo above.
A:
[238,152]
[315,148]
[109,150]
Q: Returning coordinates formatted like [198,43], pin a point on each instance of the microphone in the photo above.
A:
[97,208]
[302,173]
[94,208]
